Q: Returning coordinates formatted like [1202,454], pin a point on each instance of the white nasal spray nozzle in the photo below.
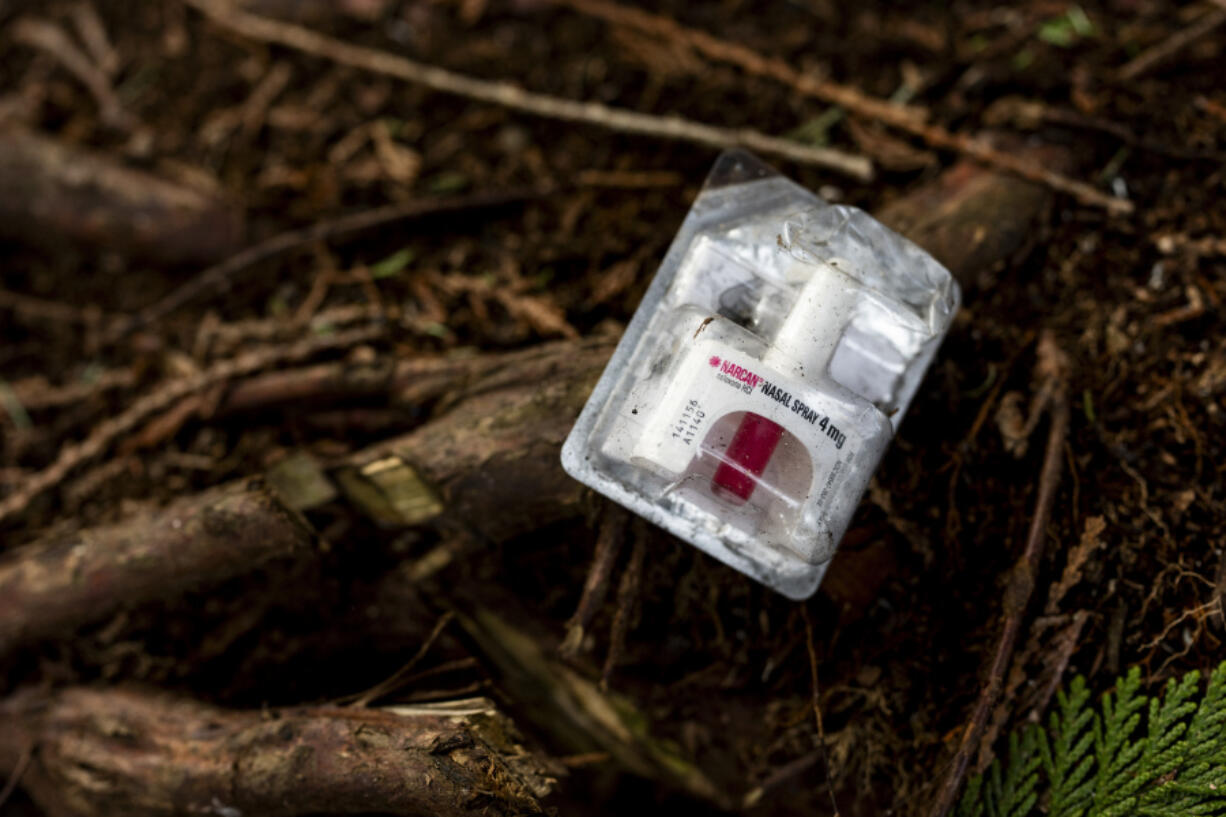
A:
[808,337]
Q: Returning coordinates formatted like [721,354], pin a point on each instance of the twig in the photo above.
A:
[73,455]
[516,98]
[629,179]
[781,775]
[216,339]
[1052,369]
[608,545]
[218,276]
[92,32]
[743,57]
[50,38]
[253,112]
[627,599]
[817,707]
[23,763]
[406,383]
[1031,115]
[35,393]
[1172,243]
[385,686]
[1214,109]
[1066,643]
[896,116]
[1157,54]
[33,310]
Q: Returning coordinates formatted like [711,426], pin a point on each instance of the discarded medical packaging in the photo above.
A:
[765,372]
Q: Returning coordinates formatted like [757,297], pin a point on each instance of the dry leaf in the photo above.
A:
[614,280]
[399,162]
[1011,423]
[540,313]
[1091,540]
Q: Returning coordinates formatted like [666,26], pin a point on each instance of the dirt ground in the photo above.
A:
[718,664]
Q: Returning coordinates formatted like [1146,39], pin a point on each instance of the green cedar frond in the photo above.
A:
[1100,762]
[1066,759]
[1011,789]
[971,804]
[1165,752]
[1018,794]
[1114,755]
[1205,765]
[1199,786]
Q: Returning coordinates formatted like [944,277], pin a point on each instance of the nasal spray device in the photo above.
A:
[765,372]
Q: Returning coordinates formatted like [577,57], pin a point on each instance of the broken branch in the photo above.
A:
[48,37]
[1156,55]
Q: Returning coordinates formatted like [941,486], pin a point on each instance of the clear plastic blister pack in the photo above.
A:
[764,374]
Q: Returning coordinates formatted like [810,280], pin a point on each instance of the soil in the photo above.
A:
[718,664]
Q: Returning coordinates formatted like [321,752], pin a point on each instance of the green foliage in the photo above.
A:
[1099,762]
[1067,761]
[394,264]
[1065,30]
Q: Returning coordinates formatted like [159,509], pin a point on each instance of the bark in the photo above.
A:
[489,462]
[51,191]
[144,754]
[65,580]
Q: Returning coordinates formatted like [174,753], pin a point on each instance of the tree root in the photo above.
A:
[146,754]
[63,581]
[88,198]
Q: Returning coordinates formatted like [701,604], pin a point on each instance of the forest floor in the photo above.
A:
[719,665]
